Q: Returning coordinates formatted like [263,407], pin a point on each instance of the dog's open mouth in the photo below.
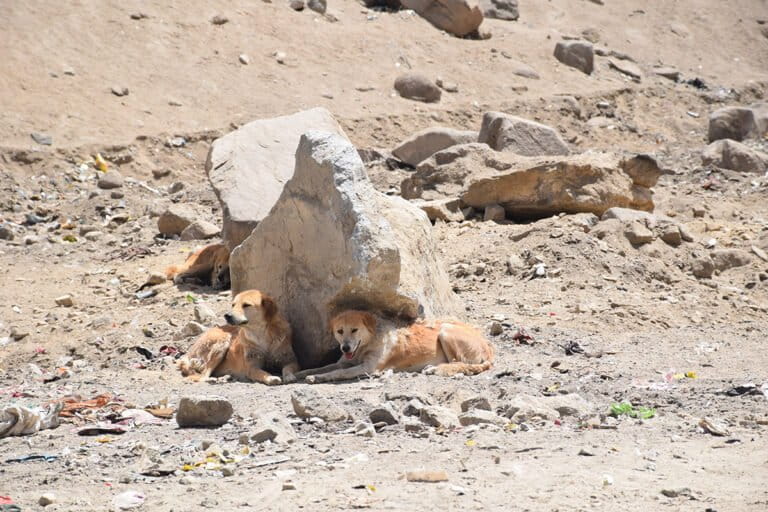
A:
[350,355]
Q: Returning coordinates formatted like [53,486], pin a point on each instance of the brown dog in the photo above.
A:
[369,344]
[257,337]
[209,265]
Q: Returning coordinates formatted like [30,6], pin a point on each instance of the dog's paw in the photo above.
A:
[289,378]
[429,370]
[273,380]
[312,379]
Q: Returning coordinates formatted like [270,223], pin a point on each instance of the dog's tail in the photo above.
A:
[451,369]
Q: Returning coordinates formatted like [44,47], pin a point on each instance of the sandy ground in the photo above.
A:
[641,308]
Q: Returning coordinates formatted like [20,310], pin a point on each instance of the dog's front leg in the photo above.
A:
[289,372]
[323,369]
[343,373]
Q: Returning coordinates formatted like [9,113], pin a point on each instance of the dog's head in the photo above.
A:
[220,273]
[353,330]
[251,307]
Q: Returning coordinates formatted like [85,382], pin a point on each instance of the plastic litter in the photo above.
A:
[128,500]
[46,457]
[22,421]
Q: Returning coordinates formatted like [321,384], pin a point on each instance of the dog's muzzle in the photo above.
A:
[234,320]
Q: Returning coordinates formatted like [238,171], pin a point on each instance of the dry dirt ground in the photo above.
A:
[640,309]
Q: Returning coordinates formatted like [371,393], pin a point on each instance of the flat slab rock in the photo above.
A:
[203,411]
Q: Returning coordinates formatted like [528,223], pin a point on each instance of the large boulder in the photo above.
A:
[248,167]
[457,17]
[332,242]
[739,123]
[504,132]
[576,54]
[420,146]
[500,9]
[729,154]
[590,182]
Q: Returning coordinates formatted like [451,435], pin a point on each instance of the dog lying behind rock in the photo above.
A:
[369,344]
[257,338]
[208,265]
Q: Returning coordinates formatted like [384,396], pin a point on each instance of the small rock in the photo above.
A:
[296,5]
[626,67]
[200,230]
[476,402]
[637,234]
[192,329]
[670,234]
[319,6]
[280,57]
[273,427]
[42,138]
[138,16]
[440,417]
[160,173]
[289,486]
[496,328]
[451,87]
[6,233]
[116,194]
[119,90]
[729,154]
[93,236]
[31,240]
[413,407]
[668,72]
[480,416]
[227,471]
[702,267]
[684,233]
[309,403]
[500,9]
[47,499]
[219,19]
[175,219]
[414,86]
[203,314]
[494,212]
[65,301]
[18,334]
[176,186]
[724,259]
[760,253]
[426,476]
[244,59]
[674,493]
[384,414]
[364,429]
[110,179]
[203,411]
[576,54]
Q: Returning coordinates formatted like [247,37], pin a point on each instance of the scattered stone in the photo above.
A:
[175,219]
[451,87]
[739,123]
[203,411]
[524,408]
[319,6]
[280,57]
[476,402]
[684,233]
[480,416]
[203,313]
[160,173]
[192,329]
[500,9]
[47,499]
[760,253]
[42,138]
[176,186]
[439,417]
[347,264]
[200,230]
[576,54]
[524,70]
[385,413]
[420,146]
[426,476]
[256,161]
[65,301]
[119,90]
[227,471]
[138,16]
[504,132]
[296,5]
[308,403]
[447,210]
[702,267]
[725,259]
[244,59]
[668,72]
[364,429]
[676,493]
[670,234]
[496,329]
[457,17]
[626,67]
[6,233]
[729,154]
[417,87]
[494,212]
[219,19]
[273,427]
[638,234]
[116,194]
[93,236]
[110,179]
[413,407]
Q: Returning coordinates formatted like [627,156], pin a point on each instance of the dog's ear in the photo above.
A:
[369,321]
[269,307]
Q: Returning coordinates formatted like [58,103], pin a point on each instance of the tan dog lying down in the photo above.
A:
[369,344]
[209,265]
[258,337]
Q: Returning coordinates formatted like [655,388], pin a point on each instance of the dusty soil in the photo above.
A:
[640,309]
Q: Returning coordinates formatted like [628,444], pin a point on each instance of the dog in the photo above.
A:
[256,338]
[209,265]
[370,344]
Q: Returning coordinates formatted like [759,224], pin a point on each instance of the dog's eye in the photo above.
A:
[354,330]
[340,331]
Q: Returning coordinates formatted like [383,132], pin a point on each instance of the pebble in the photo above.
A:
[244,59]
[110,179]
[176,186]
[160,173]
[496,329]
[279,57]
[93,236]
[426,476]
[6,233]
[219,19]
[65,301]
[119,90]
[42,138]
[319,6]
[47,499]
[227,471]
[289,486]
[297,5]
